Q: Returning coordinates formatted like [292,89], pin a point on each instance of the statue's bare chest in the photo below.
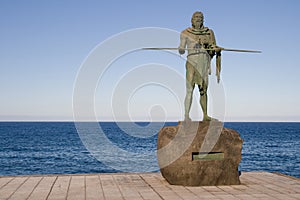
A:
[193,39]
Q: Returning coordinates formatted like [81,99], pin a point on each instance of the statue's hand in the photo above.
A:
[181,51]
[217,49]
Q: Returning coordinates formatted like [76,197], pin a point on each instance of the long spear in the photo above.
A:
[209,49]
[217,49]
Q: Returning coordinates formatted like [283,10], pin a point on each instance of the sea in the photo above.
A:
[34,148]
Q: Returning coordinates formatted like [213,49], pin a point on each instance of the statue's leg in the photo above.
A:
[188,100]
[203,101]
[189,90]
[204,70]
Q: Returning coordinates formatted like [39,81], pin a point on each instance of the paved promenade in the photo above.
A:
[144,186]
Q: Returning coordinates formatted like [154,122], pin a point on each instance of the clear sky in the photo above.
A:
[43,45]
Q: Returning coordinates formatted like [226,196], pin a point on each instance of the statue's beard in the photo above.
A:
[197,25]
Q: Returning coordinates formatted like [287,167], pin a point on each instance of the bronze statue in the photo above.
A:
[200,43]
[197,39]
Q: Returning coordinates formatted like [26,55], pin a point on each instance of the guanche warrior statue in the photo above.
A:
[201,45]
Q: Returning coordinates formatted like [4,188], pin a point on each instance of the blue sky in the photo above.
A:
[44,44]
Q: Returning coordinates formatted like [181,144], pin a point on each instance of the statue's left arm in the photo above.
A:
[218,54]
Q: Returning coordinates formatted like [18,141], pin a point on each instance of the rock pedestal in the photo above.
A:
[199,153]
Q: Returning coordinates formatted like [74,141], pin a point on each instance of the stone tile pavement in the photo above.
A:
[144,186]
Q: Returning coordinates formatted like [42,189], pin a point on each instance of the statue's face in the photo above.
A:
[197,20]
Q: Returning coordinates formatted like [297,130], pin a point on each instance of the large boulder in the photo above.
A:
[199,153]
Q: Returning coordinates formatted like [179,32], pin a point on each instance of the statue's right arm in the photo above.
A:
[182,43]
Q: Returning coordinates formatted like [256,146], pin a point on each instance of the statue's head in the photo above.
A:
[197,19]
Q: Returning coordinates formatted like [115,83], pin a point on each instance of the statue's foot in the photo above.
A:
[187,119]
[208,118]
